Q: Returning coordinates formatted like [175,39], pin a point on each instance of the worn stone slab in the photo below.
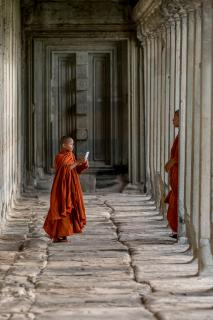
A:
[155,271]
[25,281]
[159,302]
[196,285]
[186,314]
[13,305]
[51,300]
[27,316]
[100,313]
[5,316]
[160,259]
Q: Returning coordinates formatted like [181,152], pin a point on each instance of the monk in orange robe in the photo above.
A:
[172,168]
[67,213]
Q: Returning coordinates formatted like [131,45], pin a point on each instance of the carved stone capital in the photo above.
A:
[153,15]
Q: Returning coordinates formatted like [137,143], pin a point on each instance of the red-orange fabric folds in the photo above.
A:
[67,213]
[172,197]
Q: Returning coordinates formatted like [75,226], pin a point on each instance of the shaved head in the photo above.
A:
[66,139]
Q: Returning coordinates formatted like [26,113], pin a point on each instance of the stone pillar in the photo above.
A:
[155,104]
[189,113]
[205,253]
[158,117]
[195,210]
[159,103]
[142,122]
[145,99]
[182,134]
[1,100]
[152,110]
[147,62]
[172,81]
[167,99]
[163,102]
[134,113]
[10,92]
[177,62]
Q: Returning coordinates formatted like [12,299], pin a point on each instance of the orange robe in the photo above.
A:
[172,197]
[67,213]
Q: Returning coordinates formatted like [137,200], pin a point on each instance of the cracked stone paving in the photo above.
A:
[123,266]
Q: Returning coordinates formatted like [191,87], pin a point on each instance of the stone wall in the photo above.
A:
[177,40]
[10,103]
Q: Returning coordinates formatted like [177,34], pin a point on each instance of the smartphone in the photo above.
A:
[86,155]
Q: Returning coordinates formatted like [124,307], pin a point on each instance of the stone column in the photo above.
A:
[155,104]
[142,114]
[145,99]
[163,102]
[148,112]
[177,63]
[133,113]
[157,122]
[189,112]
[182,134]
[152,114]
[167,100]
[10,90]
[195,219]
[172,81]
[1,100]
[159,103]
[205,254]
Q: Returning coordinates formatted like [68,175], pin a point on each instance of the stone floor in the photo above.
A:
[124,266]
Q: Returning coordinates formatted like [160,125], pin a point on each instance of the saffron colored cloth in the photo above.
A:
[67,212]
[172,197]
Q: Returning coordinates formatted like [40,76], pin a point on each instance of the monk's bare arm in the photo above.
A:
[74,165]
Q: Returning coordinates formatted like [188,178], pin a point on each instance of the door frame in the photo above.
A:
[38,116]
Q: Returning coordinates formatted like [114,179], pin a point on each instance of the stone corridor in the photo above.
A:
[124,266]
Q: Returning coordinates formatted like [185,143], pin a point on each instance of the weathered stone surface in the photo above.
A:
[52,13]
[10,102]
[123,266]
[111,313]
[167,266]
[81,84]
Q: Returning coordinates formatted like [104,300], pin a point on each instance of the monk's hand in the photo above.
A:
[166,167]
[169,165]
[79,162]
[86,163]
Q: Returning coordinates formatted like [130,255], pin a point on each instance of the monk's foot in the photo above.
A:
[63,239]
[60,239]
[173,235]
